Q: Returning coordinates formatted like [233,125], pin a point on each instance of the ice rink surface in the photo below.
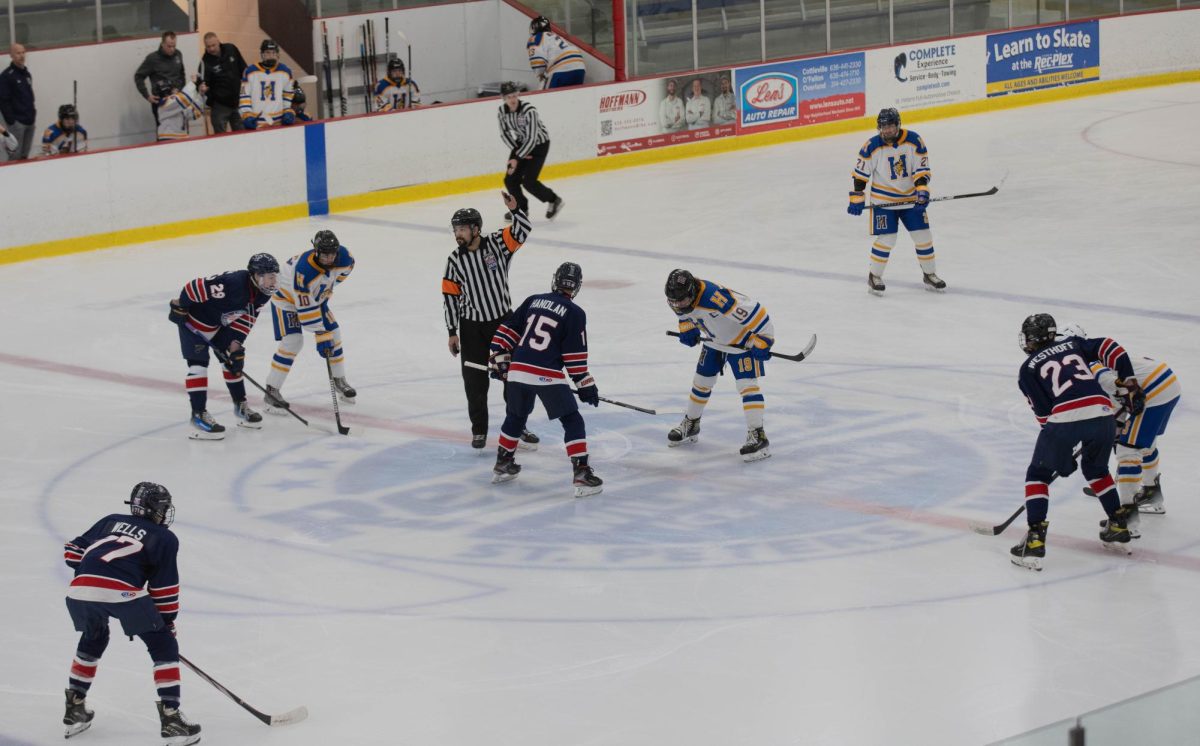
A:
[829,595]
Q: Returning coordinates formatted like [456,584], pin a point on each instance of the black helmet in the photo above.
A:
[326,242]
[268,45]
[681,290]
[1037,331]
[467,216]
[298,97]
[68,111]
[887,116]
[568,279]
[152,501]
[396,64]
[539,24]
[508,87]
[262,264]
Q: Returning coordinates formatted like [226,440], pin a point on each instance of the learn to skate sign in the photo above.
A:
[789,94]
[1044,57]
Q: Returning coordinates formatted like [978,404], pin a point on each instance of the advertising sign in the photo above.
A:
[667,111]
[791,94]
[1044,57]
[926,74]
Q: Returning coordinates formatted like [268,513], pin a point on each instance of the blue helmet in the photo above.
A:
[153,501]
[568,279]
[262,264]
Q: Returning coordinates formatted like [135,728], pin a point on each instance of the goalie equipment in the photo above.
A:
[1037,331]
[688,431]
[77,717]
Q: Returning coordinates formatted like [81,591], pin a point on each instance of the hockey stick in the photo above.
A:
[287,718]
[408,76]
[484,368]
[224,360]
[801,355]
[328,71]
[75,105]
[341,69]
[337,412]
[988,193]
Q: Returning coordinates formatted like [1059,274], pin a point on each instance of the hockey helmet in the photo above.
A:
[568,279]
[326,244]
[268,45]
[153,501]
[467,216]
[1037,331]
[1072,330]
[262,264]
[396,66]
[508,87]
[887,116]
[68,111]
[539,25]
[163,87]
[298,97]
[681,290]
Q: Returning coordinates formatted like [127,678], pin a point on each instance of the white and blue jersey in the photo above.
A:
[301,299]
[1159,384]
[555,60]
[893,169]
[733,321]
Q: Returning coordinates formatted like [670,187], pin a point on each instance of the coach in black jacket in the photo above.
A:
[164,63]
[16,103]
[223,69]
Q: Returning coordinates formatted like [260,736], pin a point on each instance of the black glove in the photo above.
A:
[178,314]
[235,360]
[1131,392]
[589,394]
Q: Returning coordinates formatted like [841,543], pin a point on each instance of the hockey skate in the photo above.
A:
[1133,521]
[479,442]
[1032,549]
[1116,533]
[757,446]
[875,284]
[204,427]
[586,481]
[506,468]
[78,717]
[176,730]
[554,209]
[345,390]
[934,283]
[274,402]
[687,432]
[528,441]
[246,416]
[1150,500]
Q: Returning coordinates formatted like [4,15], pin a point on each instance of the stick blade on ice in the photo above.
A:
[291,717]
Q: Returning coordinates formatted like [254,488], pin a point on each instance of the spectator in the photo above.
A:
[724,110]
[65,135]
[267,89]
[299,100]
[699,108]
[670,111]
[164,63]
[223,68]
[16,103]
[177,109]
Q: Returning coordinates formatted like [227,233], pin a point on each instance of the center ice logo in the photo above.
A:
[769,97]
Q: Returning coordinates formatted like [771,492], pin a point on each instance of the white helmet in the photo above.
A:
[1072,330]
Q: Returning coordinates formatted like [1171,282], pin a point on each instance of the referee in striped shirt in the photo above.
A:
[528,144]
[476,300]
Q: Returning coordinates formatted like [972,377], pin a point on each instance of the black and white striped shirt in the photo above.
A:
[475,285]
[522,130]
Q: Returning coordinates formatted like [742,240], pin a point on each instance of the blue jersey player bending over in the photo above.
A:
[545,334]
[1072,409]
[219,312]
[739,332]
[125,569]
[896,163]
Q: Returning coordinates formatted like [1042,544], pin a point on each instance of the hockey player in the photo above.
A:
[218,312]
[1072,408]
[557,62]
[897,164]
[267,87]
[739,331]
[396,91]
[301,303]
[125,569]
[545,334]
[177,108]
[1137,443]
[66,135]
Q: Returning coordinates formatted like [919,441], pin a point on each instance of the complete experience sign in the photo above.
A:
[1044,57]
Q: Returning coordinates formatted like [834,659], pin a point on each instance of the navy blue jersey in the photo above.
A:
[545,334]
[1059,384]
[119,556]
[225,301]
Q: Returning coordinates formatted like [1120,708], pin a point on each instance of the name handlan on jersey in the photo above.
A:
[555,308]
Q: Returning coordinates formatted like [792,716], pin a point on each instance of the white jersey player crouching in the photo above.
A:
[301,302]
[738,331]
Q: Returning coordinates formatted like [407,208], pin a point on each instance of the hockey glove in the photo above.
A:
[235,360]
[858,201]
[1130,391]
[288,118]
[250,123]
[178,314]
[498,365]
[760,349]
[325,344]
[588,393]
[922,198]
[690,338]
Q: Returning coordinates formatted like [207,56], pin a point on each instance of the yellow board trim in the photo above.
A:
[576,168]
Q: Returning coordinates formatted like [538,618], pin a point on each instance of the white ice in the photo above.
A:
[829,595]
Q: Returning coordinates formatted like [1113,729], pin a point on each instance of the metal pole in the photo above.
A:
[828,36]
[952,17]
[762,28]
[1010,2]
[12,23]
[567,16]
[695,35]
[634,40]
[99,25]
[619,51]
[1066,10]
[192,15]
[891,22]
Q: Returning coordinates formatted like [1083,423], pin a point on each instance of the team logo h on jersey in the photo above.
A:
[770,97]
